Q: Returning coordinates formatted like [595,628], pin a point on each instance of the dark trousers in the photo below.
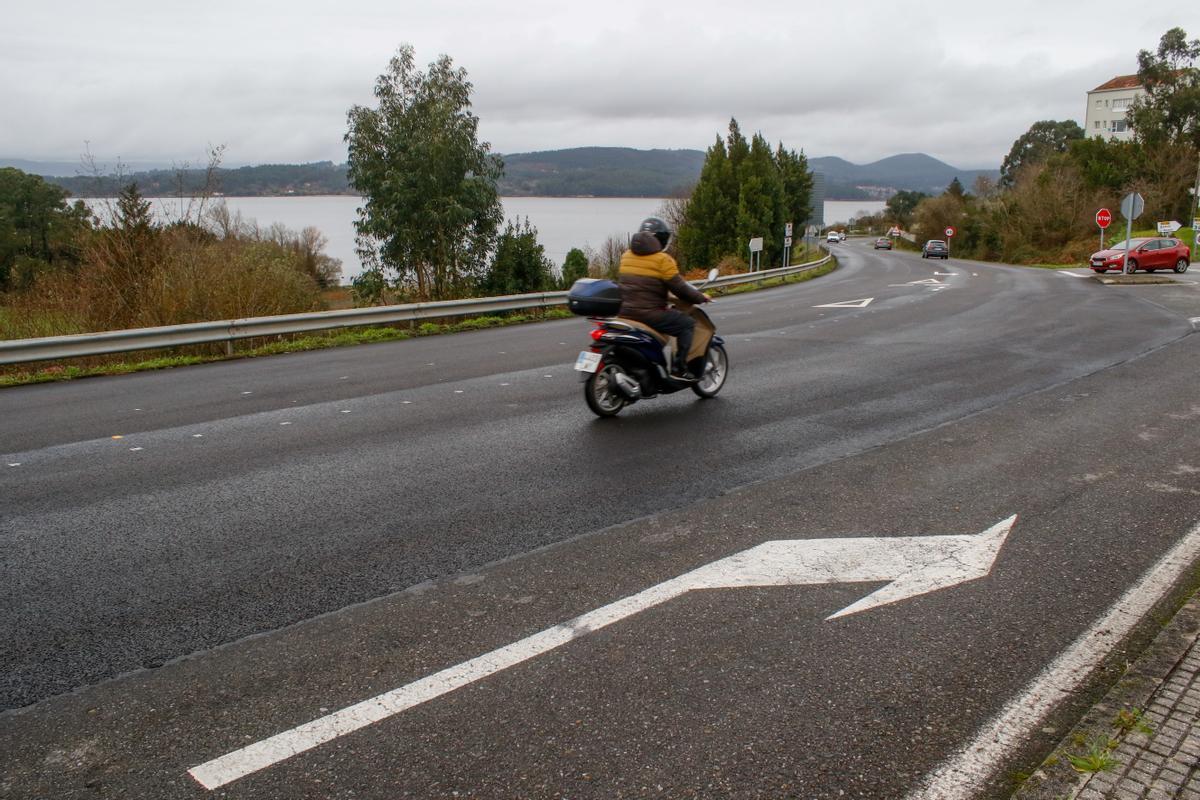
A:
[673,323]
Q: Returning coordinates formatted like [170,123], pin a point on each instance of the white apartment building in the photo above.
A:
[1107,105]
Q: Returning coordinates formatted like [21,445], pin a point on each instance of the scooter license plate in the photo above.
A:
[587,361]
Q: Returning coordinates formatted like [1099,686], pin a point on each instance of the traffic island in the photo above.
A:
[1132,280]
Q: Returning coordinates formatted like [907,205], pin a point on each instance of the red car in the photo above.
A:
[1147,254]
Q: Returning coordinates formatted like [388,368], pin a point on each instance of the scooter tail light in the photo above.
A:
[597,333]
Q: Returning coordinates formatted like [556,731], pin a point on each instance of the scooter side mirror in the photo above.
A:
[712,274]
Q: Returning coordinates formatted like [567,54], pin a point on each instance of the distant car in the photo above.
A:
[883,243]
[832,237]
[935,248]
[842,235]
[1148,254]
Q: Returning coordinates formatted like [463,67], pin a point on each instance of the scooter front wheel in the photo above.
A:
[601,393]
[716,370]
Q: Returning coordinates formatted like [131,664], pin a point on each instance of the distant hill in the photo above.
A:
[577,172]
[908,171]
[600,172]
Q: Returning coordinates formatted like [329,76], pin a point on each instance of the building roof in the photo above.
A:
[1120,82]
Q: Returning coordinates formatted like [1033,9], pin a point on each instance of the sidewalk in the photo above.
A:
[1145,733]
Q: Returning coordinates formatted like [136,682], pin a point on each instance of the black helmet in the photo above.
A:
[656,226]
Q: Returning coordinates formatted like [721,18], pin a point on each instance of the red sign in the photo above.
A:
[949,232]
[1103,218]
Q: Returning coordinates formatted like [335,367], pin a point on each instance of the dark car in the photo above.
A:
[1148,254]
[935,248]
[883,243]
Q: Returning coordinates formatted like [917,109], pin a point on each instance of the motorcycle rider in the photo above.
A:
[646,275]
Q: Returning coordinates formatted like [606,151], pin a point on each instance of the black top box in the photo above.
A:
[594,297]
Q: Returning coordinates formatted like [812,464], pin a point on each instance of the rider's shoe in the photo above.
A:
[683,375]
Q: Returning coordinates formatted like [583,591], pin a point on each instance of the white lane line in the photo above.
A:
[15,464]
[285,423]
[969,768]
[1072,274]
[197,435]
[861,303]
[135,449]
[247,392]
[345,411]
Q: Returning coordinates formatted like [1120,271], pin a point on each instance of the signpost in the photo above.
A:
[1103,219]
[1132,206]
[756,246]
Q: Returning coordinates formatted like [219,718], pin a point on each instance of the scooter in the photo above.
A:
[629,361]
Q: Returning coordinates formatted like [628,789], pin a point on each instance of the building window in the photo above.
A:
[1119,125]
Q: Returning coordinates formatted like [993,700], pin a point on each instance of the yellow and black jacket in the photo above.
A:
[647,274]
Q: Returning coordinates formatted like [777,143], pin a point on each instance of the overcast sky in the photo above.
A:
[161,81]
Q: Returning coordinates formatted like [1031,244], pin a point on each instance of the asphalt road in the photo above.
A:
[460,484]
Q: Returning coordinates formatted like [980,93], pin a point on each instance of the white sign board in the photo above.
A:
[812,230]
[1196,224]
[756,244]
[787,229]
[787,241]
[1167,228]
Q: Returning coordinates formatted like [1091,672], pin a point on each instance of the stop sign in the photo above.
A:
[1103,218]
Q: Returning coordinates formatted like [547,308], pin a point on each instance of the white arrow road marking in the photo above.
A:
[914,565]
[974,763]
[866,301]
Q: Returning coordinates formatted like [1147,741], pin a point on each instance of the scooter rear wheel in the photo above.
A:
[715,372]
[601,393]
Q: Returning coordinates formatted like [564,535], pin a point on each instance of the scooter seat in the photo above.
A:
[641,326]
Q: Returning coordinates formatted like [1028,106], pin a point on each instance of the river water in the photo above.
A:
[561,222]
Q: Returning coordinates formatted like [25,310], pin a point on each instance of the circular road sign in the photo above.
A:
[1103,218]
[949,231]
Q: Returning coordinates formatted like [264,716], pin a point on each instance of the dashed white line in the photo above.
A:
[197,435]
[135,449]
[247,392]
[458,391]
[285,423]
[1072,274]
[15,464]
[345,411]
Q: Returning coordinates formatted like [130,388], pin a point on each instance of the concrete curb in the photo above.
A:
[1056,779]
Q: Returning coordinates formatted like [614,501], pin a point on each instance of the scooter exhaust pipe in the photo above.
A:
[628,386]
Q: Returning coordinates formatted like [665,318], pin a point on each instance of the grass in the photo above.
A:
[345,337]
[342,338]
[1097,757]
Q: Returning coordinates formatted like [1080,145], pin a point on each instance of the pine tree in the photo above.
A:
[760,201]
[520,265]
[574,267]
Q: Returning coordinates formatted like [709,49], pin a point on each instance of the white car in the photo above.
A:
[833,237]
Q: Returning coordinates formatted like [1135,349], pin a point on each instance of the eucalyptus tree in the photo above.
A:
[432,211]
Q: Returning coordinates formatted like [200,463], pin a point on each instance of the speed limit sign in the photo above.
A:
[949,231]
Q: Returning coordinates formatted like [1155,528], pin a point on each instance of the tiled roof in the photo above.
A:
[1120,82]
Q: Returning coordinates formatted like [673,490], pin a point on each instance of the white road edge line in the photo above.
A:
[1072,274]
[959,777]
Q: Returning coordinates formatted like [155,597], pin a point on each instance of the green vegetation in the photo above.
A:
[39,232]
[745,190]
[1097,757]
[520,265]
[1054,181]
[432,210]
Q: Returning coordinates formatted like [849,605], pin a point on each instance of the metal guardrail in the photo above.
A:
[53,348]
